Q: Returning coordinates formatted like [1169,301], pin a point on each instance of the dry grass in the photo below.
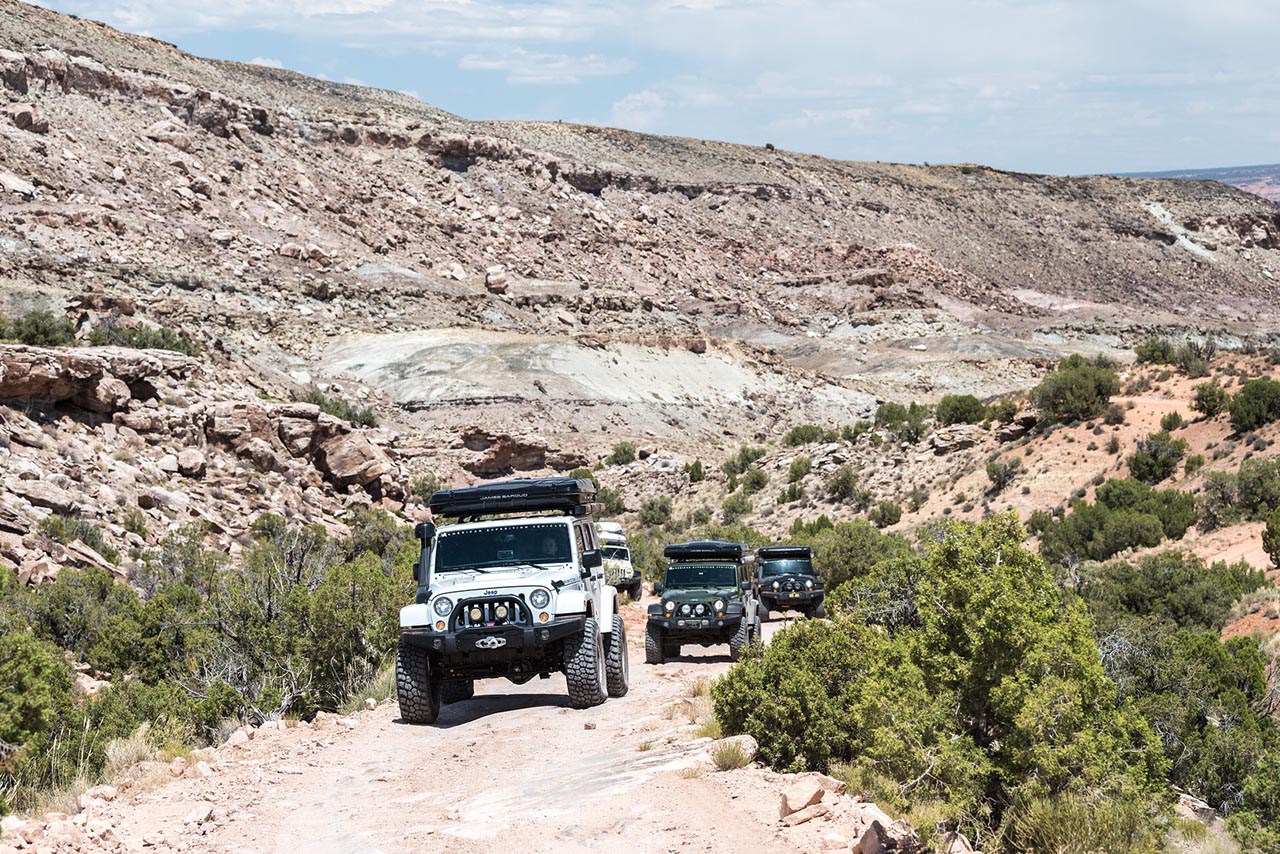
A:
[700,688]
[728,755]
[708,729]
[692,772]
[124,753]
[381,687]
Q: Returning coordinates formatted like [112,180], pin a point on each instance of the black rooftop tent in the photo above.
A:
[575,497]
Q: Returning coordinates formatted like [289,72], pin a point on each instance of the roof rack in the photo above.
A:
[784,553]
[705,550]
[575,497]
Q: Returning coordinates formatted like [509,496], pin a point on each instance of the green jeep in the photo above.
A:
[707,598]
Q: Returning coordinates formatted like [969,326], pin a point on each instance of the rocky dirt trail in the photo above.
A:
[514,767]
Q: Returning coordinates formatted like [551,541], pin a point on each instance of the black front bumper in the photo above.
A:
[698,629]
[785,600]
[494,650]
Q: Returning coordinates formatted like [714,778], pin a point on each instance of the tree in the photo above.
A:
[1002,472]
[695,471]
[1257,403]
[841,483]
[1077,390]
[1157,457]
[1271,537]
[1156,351]
[1210,399]
[34,682]
[850,549]
[960,409]
[622,454]
[41,328]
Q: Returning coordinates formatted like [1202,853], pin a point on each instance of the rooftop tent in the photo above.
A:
[571,496]
[704,550]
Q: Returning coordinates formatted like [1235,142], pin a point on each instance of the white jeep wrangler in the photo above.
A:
[515,588]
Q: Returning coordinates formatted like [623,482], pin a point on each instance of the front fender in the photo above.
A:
[415,615]
[570,602]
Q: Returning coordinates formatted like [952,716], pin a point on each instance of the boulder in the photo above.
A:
[809,813]
[191,463]
[501,454]
[495,280]
[16,185]
[27,117]
[168,464]
[352,460]
[298,435]
[875,840]
[804,792]
[170,132]
[42,493]
[947,440]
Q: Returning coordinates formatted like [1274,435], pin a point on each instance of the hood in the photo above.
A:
[468,581]
[700,594]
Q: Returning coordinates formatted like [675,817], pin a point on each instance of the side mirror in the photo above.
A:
[592,558]
[425,531]
[657,587]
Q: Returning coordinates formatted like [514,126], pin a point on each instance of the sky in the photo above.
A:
[1078,87]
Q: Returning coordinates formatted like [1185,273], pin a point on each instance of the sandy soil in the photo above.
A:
[512,768]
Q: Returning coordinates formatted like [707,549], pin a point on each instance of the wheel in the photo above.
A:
[617,666]
[584,666]
[739,641]
[820,610]
[637,591]
[763,611]
[417,690]
[655,650]
[807,612]
[456,690]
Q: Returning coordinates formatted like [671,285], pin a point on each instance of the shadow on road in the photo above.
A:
[467,711]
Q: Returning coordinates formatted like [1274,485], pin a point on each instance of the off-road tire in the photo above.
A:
[584,667]
[820,610]
[417,689]
[456,690]
[740,640]
[655,648]
[762,611]
[617,666]
[637,591]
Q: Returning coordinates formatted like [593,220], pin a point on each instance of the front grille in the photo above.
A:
[485,613]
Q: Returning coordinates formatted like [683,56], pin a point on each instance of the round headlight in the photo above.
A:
[809,584]
[686,609]
[669,605]
[475,613]
[539,598]
[719,604]
[500,612]
[775,585]
[700,609]
[443,606]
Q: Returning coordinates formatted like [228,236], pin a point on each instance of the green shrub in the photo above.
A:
[66,529]
[1171,421]
[735,507]
[841,483]
[1079,389]
[655,512]
[1194,463]
[1157,457]
[1271,537]
[961,409]
[425,486]
[1002,472]
[1128,514]
[1156,351]
[753,481]
[742,460]
[612,500]
[799,469]
[113,334]
[623,453]
[792,492]
[1218,505]
[42,328]
[848,549]
[805,434]
[695,471]
[990,697]
[1258,488]
[885,514]
[1114,415]
[891,416]
[1210,399]
[1004,411]
[1255,405]
[135,522]
[359,416]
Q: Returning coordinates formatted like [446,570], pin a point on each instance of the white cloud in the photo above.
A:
[527,67]
[638,111]
[266,62]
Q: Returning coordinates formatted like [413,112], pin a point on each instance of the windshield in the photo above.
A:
[502,546]
[797,566]
[701,575]
[616,553]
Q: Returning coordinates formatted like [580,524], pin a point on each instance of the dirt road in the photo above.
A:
[512,769]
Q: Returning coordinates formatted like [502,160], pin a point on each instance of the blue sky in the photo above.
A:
[1063,87]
